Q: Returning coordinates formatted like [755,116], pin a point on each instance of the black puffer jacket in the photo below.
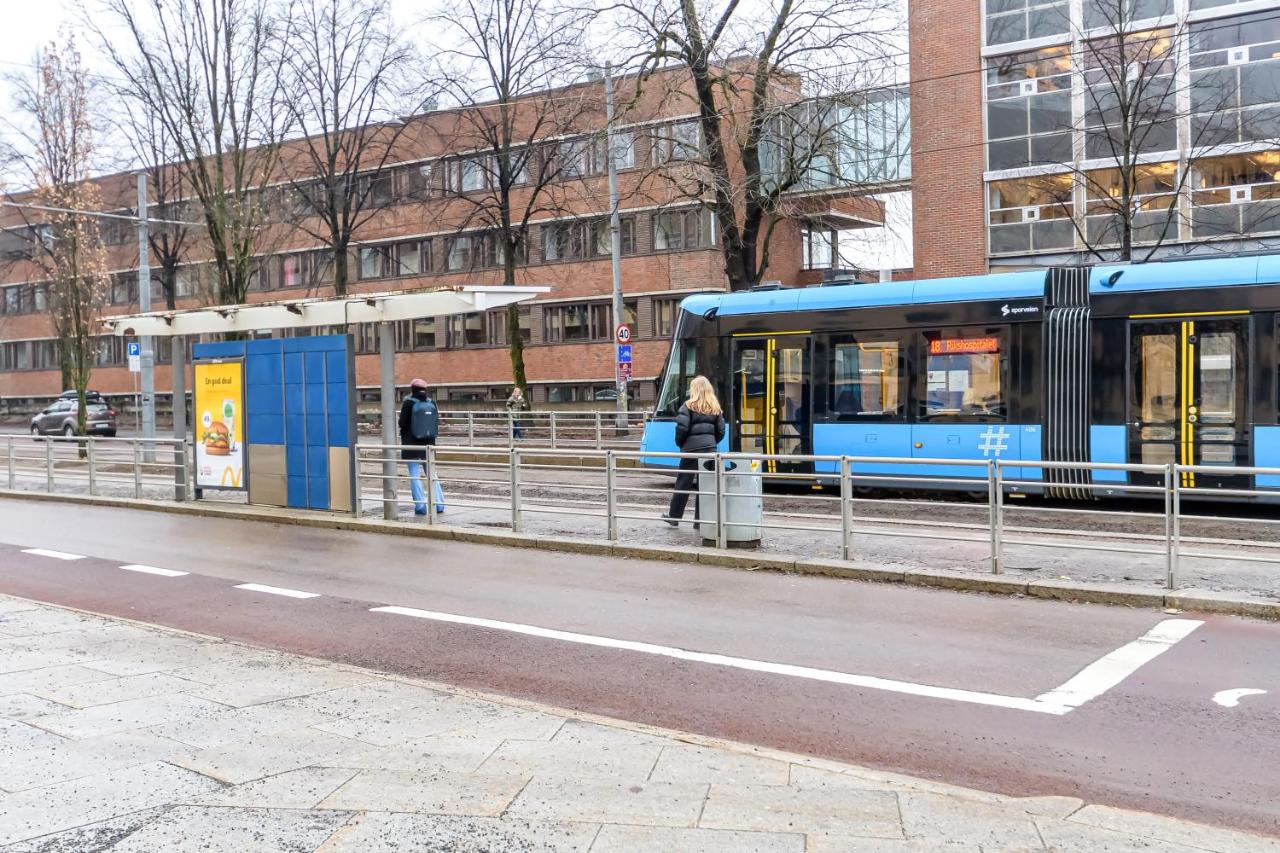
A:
[698,433]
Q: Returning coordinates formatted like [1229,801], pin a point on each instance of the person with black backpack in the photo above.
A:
[419,426]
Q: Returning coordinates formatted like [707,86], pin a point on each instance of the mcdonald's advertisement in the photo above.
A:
[219,414]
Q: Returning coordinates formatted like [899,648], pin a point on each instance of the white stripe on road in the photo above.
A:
[152,570]
[1094,680]
[277,590]
[1111,669]
[56,555]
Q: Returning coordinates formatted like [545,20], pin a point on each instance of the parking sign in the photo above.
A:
[135,357]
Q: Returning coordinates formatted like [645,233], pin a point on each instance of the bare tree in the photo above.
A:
[1139,102]
[57,153]
[758,136]
[208,74]
[154,153]
[507,77]
[346,70]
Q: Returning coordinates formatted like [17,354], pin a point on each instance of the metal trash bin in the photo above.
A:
[743,503]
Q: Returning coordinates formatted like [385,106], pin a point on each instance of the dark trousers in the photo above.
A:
[686,483]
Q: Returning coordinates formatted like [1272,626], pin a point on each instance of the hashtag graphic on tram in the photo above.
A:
[994,441]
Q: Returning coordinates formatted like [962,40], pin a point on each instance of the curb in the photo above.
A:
[1198,600]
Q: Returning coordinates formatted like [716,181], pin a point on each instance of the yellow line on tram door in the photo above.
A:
[770,400]
[1186,377]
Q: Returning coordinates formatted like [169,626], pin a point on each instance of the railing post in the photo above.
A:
[48,464]
[553,430]
[13,470]
[471,429]
[511,430]
[137,469]
[430,474]
[722,533]
[995,500]
[610,499]
[390,487]
[515,491]
[93,478]
[1172,522]
[597,430]
[846,509]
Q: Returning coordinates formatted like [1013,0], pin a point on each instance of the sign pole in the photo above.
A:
[615,234]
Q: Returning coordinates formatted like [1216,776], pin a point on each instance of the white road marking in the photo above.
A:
[152,570]
[277,590]
[1049,703]
[56,555]
[1111,669]
[1231,698]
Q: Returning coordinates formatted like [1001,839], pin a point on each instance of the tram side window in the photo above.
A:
[866,379]
[963,376]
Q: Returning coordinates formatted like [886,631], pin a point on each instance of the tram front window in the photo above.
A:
[865,379]
[681,368]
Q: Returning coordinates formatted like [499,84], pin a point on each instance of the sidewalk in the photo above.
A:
[122,737]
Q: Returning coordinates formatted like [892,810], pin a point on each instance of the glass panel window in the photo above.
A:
[819,248]
[584,322]
[682,229]
[1130,95]
[675,141]
[1152,197]
[1236,194]
[1031,214]
[424,333]
[373,262]
[963,374]
[866,378]
[1029,109]
[459,254]
[1016,20]
[417,181]
[1235,79]
[664,317]
[1120,15]
[409,257]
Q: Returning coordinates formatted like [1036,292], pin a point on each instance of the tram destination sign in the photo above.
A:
[959,346]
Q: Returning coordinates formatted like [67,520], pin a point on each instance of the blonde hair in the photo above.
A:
[702,397]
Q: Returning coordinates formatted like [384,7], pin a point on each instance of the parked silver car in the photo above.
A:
[60,418]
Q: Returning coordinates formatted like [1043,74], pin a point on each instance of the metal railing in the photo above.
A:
[587,430]
[96,465]
[610,493]
[614,486]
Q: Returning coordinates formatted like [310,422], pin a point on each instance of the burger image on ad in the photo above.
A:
[216,439]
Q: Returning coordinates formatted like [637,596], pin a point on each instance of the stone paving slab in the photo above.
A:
[195,745]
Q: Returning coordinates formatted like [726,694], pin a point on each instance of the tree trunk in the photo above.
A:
[169,280]
[341,269]
[514,342]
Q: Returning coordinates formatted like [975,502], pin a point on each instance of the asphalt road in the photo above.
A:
[932,683]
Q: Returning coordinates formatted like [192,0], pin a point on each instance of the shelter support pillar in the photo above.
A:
[387,363]
[182,463]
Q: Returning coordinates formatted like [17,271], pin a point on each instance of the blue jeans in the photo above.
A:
[418,487]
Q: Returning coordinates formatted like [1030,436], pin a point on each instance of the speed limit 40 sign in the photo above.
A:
[623,334]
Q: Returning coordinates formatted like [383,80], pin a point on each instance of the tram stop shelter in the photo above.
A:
[382,309]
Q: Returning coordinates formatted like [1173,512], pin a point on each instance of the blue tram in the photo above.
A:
[1154,363]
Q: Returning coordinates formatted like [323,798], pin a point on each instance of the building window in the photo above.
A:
[1030,215]
[497,321]
[417,181]
[424,333]
[573,158]
[378,190]
[412,257]
[584,239]
[375,262]
[1130,95]
[1235,80]
[866,378]
[1029,109]
[1152,195]
[1017,20]
[587,322]
[819,246]
[676,141]
[963,375]
[467,330]
[1119,15]
[1235,195]
[459,257]
[124,290]
[665,312]
[468,174]
[681,229]
[294,270]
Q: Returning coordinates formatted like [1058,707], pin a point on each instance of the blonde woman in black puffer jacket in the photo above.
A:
[699,429]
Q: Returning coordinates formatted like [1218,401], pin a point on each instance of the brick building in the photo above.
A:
[420,236]
[1012,166]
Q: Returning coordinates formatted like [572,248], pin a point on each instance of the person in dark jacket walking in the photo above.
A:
[420,408]
[699,429]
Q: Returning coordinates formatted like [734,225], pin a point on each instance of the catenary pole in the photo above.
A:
[144,305]
[615,235]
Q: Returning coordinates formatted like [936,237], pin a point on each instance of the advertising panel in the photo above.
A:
[219,415]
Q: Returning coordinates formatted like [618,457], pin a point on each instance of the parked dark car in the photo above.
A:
[60,418]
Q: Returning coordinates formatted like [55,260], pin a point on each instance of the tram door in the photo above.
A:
[1188,396]
[772,387]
